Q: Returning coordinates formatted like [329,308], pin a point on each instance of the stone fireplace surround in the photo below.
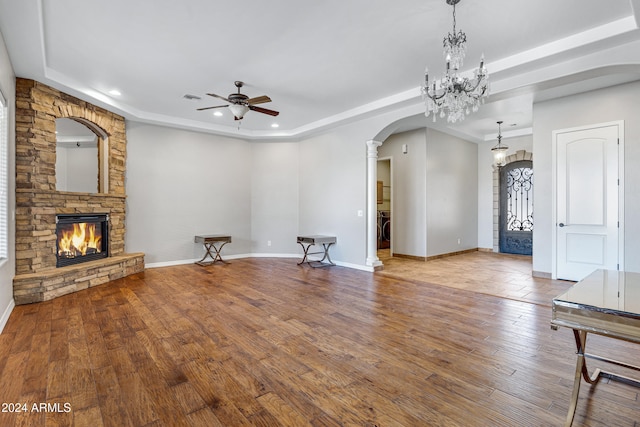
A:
[37,200]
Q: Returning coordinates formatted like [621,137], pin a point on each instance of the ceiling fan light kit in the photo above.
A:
[238,110]
[240,104]
[453,95]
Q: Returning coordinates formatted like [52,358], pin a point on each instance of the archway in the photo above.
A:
[516,208]
[520,155]
[410,122]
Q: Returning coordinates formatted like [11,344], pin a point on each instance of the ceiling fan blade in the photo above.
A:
[263,110]
[258,100]
[209,108]
[218,96]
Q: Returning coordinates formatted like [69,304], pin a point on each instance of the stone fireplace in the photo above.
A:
[40,206]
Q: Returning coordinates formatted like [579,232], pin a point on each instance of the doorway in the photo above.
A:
[588,199]
[516,208]
[384,205]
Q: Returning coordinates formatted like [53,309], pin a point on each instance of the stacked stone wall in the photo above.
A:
[37,200]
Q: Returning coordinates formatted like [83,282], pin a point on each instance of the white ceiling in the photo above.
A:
[323,63]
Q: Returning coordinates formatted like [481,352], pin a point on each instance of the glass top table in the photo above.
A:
[606,303]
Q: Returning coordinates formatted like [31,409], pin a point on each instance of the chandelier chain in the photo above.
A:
[454,19]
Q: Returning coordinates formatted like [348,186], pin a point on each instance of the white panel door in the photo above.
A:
[587,185]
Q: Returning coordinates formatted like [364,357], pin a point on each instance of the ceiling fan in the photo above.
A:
[240,103]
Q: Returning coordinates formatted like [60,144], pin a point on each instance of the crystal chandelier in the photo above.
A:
[455,95]
[499,151]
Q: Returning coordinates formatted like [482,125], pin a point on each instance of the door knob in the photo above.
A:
[561,224]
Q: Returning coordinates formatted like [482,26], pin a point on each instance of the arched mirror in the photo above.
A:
[79,153]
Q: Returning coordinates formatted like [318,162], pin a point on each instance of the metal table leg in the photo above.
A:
[214,258]
[316,263]
[593,379]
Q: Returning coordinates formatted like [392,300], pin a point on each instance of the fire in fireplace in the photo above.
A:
[81,238]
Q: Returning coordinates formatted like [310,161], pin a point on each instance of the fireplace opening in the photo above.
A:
[81,238]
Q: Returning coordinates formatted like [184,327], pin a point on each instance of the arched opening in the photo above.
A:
[516,208]
[500,200]
[411,122]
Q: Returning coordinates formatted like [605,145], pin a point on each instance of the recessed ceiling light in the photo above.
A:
[217,113]
[275,125]
[115,92]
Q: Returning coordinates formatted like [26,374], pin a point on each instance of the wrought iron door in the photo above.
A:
[516,208]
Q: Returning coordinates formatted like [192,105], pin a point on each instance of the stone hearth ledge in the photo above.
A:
[52,283]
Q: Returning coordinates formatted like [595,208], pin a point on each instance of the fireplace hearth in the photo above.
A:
[81,238]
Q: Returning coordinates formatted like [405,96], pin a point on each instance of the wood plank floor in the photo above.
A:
[503,275]
[264,342]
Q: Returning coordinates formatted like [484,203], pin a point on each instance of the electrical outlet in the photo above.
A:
[268,242]
[459,240]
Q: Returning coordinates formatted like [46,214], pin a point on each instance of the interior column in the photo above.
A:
[372,173]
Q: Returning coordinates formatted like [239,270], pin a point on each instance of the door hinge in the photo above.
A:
[617,266]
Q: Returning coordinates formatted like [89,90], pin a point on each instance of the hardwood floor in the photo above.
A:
[503,275]
[264,342]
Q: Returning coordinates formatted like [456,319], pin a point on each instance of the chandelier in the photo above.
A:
[499,151]
[454,95]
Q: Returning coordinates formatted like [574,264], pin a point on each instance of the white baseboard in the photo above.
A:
[169,263]
[541,274]
[229,257]
[5,316]
[256,255]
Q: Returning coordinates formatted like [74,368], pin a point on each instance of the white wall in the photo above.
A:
[452,194]
[274,197]
[8,267]
[616,103]
[485,183]
[180,184]
[435,197]
[210,184]
[333,190]
[409,210]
